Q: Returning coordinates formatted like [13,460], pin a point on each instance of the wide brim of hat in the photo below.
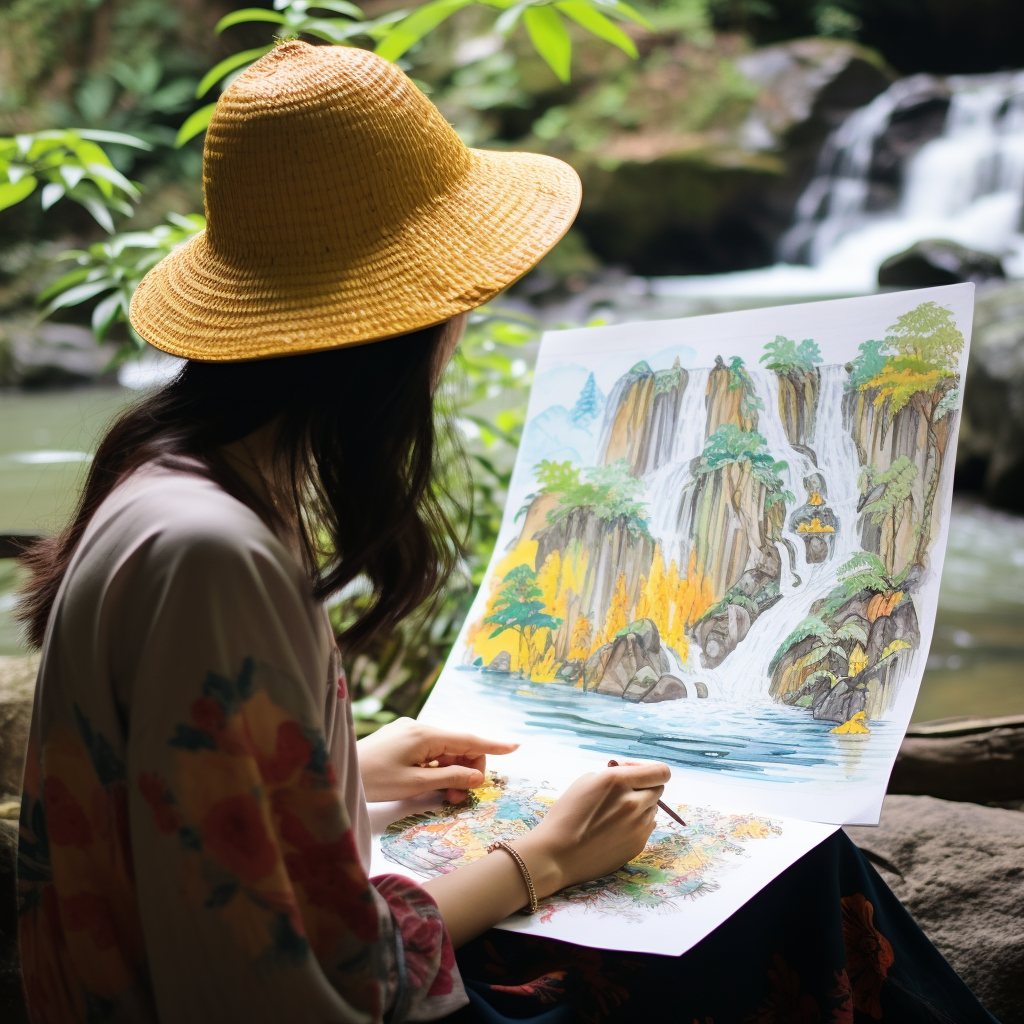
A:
[453,255]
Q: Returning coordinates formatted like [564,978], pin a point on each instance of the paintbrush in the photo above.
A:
[661,803]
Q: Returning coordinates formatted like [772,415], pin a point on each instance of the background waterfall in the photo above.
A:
[966,185]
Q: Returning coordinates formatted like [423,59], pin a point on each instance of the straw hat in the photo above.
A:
[342,208]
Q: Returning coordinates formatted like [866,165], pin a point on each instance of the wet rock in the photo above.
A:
[815,524]
[668,687]
[957,868]
[990,455]
[17,686]
[501,662]
[52,354]
[701,688]
[976,759]
[640,685]
[664,194]
[612,667]
[936,262]
[718,635]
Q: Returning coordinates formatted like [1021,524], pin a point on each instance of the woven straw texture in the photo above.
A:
[342,208]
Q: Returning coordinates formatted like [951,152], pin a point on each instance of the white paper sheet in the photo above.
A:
[702,873]
[722,549]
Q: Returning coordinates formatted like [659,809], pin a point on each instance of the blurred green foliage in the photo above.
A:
[68,162]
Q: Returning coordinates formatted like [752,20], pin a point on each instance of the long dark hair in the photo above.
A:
[357,438]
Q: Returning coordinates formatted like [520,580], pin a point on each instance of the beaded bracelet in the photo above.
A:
[500,844]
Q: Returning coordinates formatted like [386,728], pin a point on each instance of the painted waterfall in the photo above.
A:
[723,543]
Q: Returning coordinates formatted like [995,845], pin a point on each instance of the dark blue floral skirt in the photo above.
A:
[826,943]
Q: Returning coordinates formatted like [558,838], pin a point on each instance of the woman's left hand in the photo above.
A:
[391,761]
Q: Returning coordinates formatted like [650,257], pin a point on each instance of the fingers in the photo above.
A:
[454,777]
[465,745]
[642,774]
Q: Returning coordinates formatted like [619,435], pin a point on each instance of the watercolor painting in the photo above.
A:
[678,864]
[727,556]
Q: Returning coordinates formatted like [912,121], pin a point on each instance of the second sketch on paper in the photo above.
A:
[678,863]
[736,547]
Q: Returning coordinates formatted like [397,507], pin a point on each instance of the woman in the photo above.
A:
[194,830]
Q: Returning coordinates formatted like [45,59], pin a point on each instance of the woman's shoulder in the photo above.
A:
[179,517]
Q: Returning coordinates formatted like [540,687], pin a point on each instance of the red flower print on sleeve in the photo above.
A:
[207,714]
[429,956]
[66,822]
[291,752]
[342,685]
[233,831]
[88,912]
[160,801]
[868,954]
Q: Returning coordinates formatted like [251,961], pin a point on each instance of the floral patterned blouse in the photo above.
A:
[194,836]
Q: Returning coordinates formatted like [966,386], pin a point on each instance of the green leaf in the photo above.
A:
[339,7]
[550,39]
[105,314]
[72,175]
[226,66]
[597,24]
[509,18]
[73,296]
[117,138]
[411,30]
[196,122]
[334,30]
[13,192]
[51,193]
[63,282]
[99,212]
[629,12]
[112,175]
[248,14]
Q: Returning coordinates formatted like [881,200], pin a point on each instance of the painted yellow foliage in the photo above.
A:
[897,645]
[544,670]
[548,582]
[858,661]
[752,828]
[854,725]
[618,614]
[899,385]
[582,635]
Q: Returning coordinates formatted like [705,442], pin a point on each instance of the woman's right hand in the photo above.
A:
[603,820]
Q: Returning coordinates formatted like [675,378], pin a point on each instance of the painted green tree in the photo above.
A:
[608,492]
[867,364]
[739,377]
[923,373]
[729,446]
[783,355]
[519,607]
[887,499]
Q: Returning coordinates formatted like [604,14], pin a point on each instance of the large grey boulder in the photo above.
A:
[991,452]
[959,869]
[613,667]
[937,261]
[976,759]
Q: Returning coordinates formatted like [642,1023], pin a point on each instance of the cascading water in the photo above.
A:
[668,487]
[966,185]
[801,584]
[837,462]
